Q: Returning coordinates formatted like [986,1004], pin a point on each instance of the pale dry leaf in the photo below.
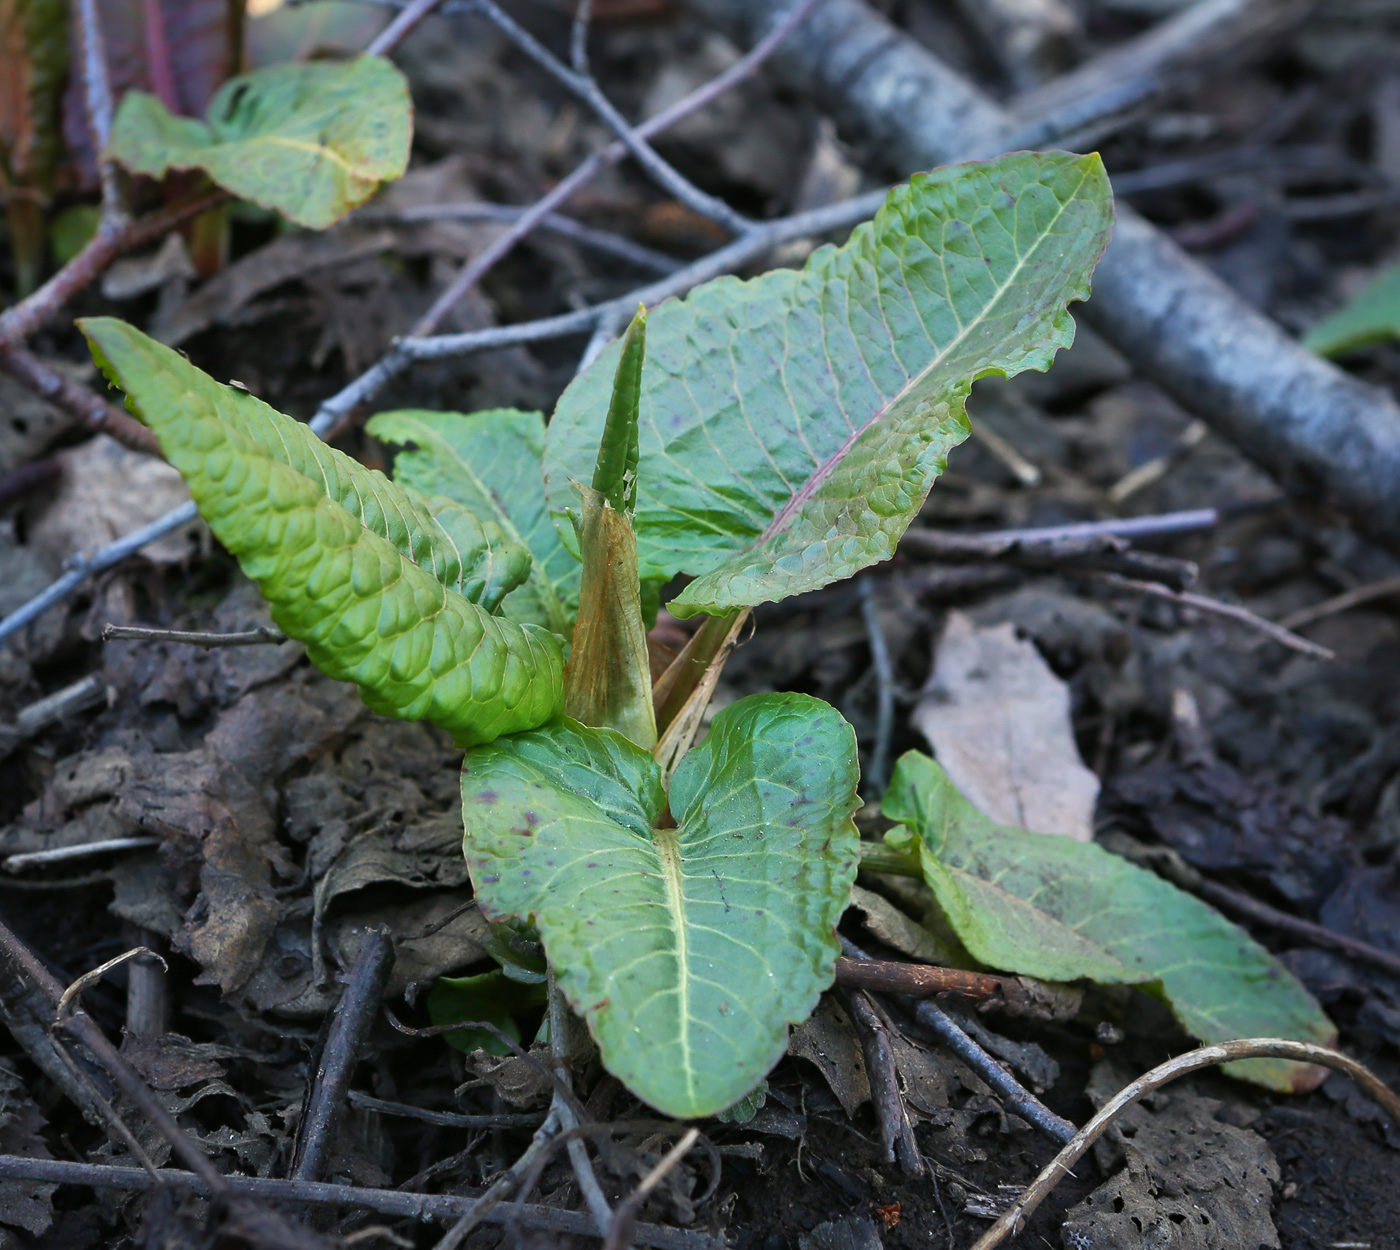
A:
[998,720]
[107,491]
[828,1039]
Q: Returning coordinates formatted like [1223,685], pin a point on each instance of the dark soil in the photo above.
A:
[291,819]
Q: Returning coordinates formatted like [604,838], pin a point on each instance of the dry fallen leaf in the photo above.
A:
[998,720]
[106,492]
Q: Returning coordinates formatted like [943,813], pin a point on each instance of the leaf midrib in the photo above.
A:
[783,520]
[669,856]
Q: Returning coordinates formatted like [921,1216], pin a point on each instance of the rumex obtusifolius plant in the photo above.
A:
[763,437]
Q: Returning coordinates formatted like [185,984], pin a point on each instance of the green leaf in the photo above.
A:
[1050,907]
[491,998]
[1370,316]
[615,471]
[362,571]
[311,139]
[791,426]
[689,950]
[492,463]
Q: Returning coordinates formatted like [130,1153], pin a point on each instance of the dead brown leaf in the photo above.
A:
[998,720]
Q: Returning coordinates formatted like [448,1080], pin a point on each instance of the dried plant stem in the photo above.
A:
[1229,611]
[625,1217]
[401,27]
[1207,1056]
[264,635]
[393,1202]
[335,1065]
[92,410]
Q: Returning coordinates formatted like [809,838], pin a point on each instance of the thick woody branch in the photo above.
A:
[1319,431]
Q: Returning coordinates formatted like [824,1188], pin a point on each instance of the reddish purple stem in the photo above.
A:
[158,65]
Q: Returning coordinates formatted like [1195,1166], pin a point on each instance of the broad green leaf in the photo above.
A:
[688,949]
[791,425]
[337,550]
[311,139]
[1372,315]
[490,998]
[492,463]
[1051,907]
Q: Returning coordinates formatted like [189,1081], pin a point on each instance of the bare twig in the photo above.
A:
[445,1119]
[473,271]
[84,693]
[883,664]
[578,36]
[62,854]
[600,240]
[1096,553]
[1161,525]
[1229,611]
[586,89]
[147,999]
[625,1217]
[335,1065]
[91,409]
[65,1003]
[566,1111]
[1017,1098]
[399,29]
[97,98]
[1319,431]
[262,636]
[32,313]
[892,1116]
[394,1202]
[1382,589]
[920,980]
[1207,1056]
[1095,98]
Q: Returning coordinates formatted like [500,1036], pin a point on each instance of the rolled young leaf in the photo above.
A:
[310,139]
[336,550]
[791,425]
[607,683]
[688,949]
[1050,907]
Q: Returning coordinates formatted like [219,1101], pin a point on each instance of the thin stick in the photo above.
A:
[478,266]
[445,1119]
[147,1002]
[263,635]
[1344,602]
[586,89]
[589,236]
[568,1116]
[1013,1093]
[396,31]
[1229,611]
[1017,1098]
[883,665]
[1207,1056]
[97,99]
[625,1217]
[91,409]
[919,980]
[354,1014]
[63,854]
[1161,525]
[21,320]
[578,37]
[394,1202]
[1242,904]
[892,1116]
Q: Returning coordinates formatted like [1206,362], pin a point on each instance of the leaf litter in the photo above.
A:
[340,847]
